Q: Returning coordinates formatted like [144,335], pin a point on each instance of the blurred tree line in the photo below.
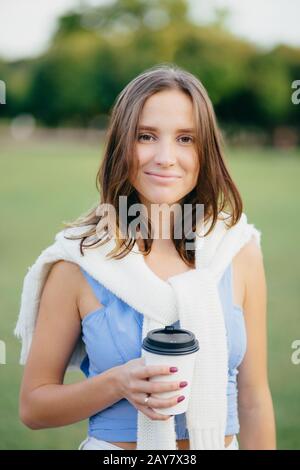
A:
[96,52]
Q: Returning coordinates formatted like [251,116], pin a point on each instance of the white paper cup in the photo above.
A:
[173,348]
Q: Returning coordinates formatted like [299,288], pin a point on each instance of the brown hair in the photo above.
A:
[215,187]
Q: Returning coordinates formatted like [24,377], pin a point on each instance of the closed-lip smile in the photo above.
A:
[169,175]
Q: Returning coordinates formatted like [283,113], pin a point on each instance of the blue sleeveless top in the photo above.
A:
[112,336]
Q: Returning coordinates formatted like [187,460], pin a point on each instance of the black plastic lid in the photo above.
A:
[170,341]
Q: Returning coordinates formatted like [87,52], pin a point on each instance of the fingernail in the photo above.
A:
[173,369]
[180,399]
[183,384]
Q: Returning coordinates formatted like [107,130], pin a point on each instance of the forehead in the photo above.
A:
[168,106]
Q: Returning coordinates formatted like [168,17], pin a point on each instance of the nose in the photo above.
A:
[165,154]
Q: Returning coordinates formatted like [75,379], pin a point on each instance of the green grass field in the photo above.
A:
[43,184]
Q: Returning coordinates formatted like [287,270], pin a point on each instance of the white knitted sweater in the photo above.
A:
[191,297]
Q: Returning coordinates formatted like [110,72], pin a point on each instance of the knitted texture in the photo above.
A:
[191,297]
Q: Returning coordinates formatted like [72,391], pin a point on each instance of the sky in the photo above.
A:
[26,26]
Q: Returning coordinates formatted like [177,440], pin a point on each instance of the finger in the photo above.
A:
[153,415]
[156,387]
[151,371]
[155,402]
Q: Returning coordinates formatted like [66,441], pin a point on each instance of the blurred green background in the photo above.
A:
[51,141]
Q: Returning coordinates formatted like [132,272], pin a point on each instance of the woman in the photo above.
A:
[162,148]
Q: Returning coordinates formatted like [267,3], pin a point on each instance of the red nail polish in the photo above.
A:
[180,399]
[183,384]
[173,369]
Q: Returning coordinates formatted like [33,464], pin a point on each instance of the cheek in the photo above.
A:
[191,165]
[143,156]
[141,159]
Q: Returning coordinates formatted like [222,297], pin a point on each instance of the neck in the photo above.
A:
[162,217]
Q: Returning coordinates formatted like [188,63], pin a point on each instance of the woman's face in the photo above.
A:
[165,146]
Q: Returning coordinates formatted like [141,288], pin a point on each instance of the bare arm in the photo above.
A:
[256,414]
[44,400]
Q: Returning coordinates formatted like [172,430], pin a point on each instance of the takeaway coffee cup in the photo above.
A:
[173,347]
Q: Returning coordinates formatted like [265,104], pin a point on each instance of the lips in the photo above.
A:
[162,175]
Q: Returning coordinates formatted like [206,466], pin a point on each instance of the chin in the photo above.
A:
[163,199]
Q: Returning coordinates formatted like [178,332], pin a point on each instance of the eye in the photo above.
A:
[191,139]
[144,135]
[147,137]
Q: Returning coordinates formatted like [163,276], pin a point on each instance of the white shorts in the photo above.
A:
[91,443]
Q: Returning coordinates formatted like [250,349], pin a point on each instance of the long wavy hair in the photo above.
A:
[214,189]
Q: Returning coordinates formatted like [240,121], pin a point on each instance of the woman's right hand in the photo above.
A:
[133,381]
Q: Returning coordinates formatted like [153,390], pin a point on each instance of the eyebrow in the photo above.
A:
[150,128]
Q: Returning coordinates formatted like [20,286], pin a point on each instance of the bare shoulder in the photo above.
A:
[61,290]
[248,267]
[63,268]
[62,279]
[250,253]
[67,282]
[57,328]
[253,376]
